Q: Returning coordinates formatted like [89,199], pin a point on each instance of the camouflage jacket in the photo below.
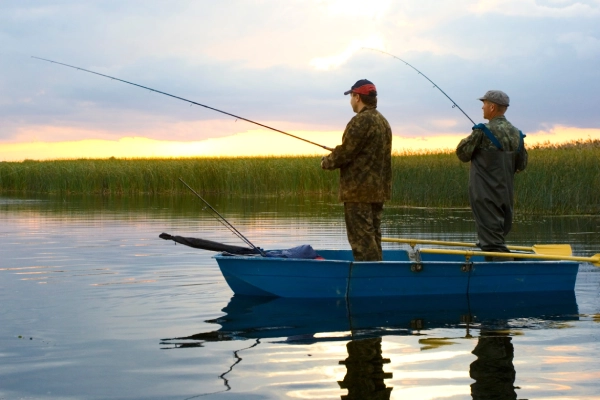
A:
[507,135]
[364,159]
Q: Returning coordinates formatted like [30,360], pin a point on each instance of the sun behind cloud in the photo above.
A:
[336,60]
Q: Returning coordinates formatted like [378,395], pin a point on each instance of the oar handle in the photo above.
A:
[595,260]
[413,242]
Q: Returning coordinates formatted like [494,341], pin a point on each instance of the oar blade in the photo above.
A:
[553,249]
[596,260]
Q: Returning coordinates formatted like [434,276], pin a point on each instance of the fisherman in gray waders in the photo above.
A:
[496,151]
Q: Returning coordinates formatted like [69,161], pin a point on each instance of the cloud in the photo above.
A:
[336,60]
[374,9]
[587,47]
[539,8]
[287,63]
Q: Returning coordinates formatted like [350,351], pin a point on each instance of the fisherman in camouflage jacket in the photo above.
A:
[496,152]
[365,162]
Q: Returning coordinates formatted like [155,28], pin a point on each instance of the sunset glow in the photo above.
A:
[250,143]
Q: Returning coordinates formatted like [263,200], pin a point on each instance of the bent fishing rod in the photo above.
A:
[225,222]
[424,76]
[186,100]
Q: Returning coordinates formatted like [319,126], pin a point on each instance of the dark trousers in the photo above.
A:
[363,226]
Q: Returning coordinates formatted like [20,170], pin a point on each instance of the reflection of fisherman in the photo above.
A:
[493,371]
[365,162]
[364,371]
[496,151]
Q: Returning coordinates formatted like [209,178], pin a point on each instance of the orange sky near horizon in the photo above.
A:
[250,143]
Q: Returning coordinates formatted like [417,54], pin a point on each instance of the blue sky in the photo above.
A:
[287,63]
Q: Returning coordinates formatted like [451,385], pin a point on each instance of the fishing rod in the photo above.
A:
[188,101]
[424,76]
[225,222]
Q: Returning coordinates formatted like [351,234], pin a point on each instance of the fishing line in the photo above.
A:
[222,376]
[225,222]
[186,100]
[424,76]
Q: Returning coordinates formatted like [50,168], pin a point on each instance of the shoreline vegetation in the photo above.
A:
[560,179]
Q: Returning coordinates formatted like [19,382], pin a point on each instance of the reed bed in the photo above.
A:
[559,179]
[562,180]
[244,176]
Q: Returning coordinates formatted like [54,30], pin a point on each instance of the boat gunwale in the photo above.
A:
[476,262]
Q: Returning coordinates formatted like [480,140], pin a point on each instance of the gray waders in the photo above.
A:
[491,197]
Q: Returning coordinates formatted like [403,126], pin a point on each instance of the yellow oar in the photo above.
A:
[595,259]
[550,249]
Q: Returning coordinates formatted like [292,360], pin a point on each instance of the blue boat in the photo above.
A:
[337,275]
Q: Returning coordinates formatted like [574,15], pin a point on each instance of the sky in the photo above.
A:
[286,64]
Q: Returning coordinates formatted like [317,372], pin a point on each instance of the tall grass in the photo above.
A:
[562,180]
[558,180]
[430,180]
[247,176]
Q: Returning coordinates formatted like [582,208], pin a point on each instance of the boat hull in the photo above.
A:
[337,276]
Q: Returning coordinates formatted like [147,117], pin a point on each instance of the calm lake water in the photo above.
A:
[96,306]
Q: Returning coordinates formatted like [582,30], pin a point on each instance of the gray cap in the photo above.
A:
[496,96]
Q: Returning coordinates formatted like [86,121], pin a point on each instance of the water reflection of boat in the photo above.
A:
[338,276]
[362,322]
[311,320]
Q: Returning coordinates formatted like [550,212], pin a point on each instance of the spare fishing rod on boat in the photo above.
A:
[225,222]
[186,100]
[424,76]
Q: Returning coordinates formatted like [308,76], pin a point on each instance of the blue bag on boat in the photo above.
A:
[303,251]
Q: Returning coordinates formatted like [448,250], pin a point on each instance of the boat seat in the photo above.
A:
[395,255]
[346,255]
[448,257]
[343,255]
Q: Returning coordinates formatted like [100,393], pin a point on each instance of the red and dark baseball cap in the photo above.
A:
[363,86]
